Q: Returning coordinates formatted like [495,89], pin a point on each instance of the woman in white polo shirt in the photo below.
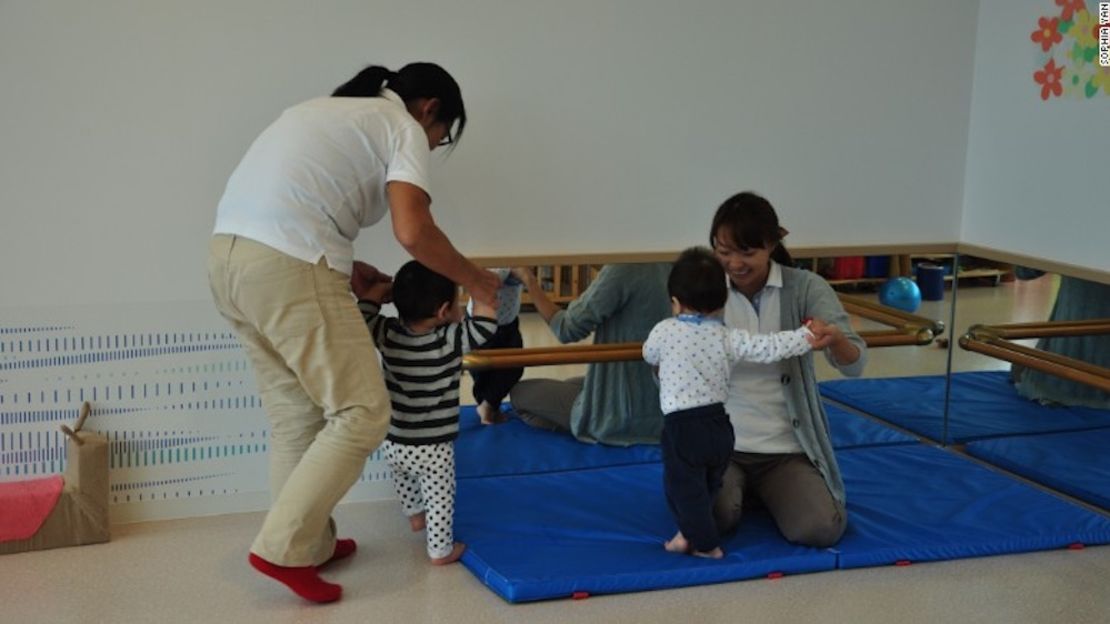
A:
[783,454]
[281,269]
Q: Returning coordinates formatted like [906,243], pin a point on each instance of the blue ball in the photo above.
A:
[901,293]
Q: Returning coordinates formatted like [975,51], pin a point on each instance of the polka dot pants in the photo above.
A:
[424,476]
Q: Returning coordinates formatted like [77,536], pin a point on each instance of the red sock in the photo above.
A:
[304,581]
[343,548]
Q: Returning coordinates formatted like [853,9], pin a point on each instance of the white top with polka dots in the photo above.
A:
[508,297]
[695,355]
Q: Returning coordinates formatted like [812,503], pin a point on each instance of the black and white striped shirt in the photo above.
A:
[422,373]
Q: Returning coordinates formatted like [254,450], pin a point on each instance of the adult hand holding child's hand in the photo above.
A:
[363,280]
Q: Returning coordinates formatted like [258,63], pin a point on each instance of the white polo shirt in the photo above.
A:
[756,402]
[317,175]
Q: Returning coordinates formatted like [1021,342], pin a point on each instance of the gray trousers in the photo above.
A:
[791,489]
[546,403]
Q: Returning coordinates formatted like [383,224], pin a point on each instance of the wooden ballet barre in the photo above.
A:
[986,336]
[914,336]
[909,330]
[1046,329]
[886,315]
[982,340]
[631,351]
[513,358]
[559,349]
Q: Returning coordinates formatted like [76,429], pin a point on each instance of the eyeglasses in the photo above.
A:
[446,140]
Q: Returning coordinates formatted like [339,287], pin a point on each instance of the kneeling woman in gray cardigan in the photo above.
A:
[783,455]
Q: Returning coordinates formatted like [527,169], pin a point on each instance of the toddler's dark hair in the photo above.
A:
[697,280]
[418,291]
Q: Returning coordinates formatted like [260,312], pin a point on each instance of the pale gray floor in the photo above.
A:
[195,570]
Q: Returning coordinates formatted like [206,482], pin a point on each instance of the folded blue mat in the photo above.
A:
[1076,463]
[920,503]
[984,405]
[513,447]
[532,537]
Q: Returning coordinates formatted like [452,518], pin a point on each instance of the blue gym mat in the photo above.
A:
[600,531]
[514,447]
[1076,463]
[539,536]
[984,405]
[850,430]
[921,503]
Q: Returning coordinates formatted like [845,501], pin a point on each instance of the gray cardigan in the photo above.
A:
[806,295]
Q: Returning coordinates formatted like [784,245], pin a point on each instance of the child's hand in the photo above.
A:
[524,274]
[824,334]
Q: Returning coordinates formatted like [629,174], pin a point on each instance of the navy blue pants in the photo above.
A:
[697,444]
[493,385]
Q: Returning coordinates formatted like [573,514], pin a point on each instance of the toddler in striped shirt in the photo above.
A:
[421,353]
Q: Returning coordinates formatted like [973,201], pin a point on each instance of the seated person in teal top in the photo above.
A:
[1077,300]
[616,402]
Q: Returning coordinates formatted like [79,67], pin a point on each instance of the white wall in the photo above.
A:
[596,125]
[1036,170]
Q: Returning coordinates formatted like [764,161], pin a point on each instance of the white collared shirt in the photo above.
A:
[318,174]
[756,402]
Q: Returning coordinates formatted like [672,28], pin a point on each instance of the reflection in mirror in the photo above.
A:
[896,317]
[609,398]
[902,387]
[1034,397]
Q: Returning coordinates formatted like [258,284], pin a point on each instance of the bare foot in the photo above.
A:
[417,522]
[716,553]
[678,544]
[489,414]
[456,553]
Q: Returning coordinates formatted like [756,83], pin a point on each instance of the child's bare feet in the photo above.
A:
[678,544]
[456,553]
[417,522]
[490,414]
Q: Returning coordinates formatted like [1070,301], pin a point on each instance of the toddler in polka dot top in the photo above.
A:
[693,353]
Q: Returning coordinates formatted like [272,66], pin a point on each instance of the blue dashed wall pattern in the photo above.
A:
[170,388]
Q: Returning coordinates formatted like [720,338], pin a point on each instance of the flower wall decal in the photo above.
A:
[1069,43]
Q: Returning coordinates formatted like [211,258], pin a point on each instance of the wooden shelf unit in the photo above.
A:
[902,266]
[563,282]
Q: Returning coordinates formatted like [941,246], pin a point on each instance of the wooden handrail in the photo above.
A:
[511,358]
[1046,329]
[914,336]
[1051,363]
[887,315]
[908,330]
[631,351]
